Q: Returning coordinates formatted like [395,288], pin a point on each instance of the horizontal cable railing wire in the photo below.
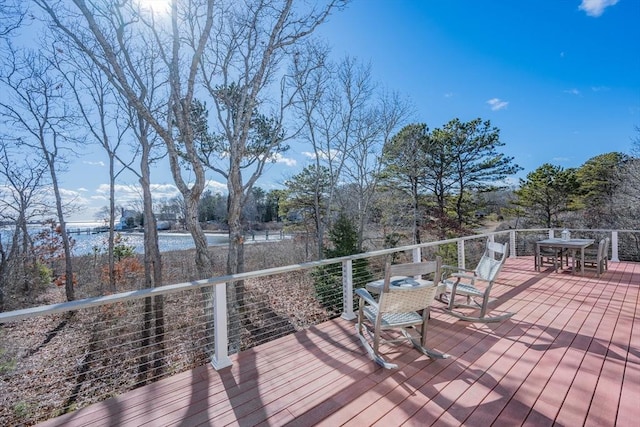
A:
[87,355]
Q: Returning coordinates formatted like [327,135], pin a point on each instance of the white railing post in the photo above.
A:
[417,254]
[221,334]
[492,239]
[551,236]
[461,260]
[347,290]
[614,246]
[512,242]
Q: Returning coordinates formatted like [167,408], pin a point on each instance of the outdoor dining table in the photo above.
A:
[571,244]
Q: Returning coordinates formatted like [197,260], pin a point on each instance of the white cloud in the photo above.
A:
[279,158]
[122,191]
[125,194]
[497,104]
[322,154]
[216,186]
[99,163]
[596,8]
[572,91]
[67,194]
[163,190]
[448,95]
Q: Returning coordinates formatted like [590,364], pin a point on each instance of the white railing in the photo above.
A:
[90,349]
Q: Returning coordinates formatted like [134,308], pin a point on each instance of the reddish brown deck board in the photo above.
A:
[570,356]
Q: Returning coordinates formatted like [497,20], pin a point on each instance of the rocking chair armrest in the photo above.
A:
[464,276]
[365,295]
[481,279]
[456,268]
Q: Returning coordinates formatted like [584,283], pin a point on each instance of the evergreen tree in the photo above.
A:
[328,279]
[546,193]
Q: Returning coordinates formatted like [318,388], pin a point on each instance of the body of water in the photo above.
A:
[167,241]
[86,242]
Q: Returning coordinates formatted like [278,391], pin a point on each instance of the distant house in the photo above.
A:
[126,220]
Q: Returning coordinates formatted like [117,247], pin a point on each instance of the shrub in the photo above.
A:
[44,273]
[328,279]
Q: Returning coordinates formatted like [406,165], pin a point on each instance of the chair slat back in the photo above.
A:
[413,269]
[403,300]
[492,260]
[395,299]
[601,245]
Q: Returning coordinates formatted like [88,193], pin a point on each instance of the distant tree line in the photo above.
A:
[602,193]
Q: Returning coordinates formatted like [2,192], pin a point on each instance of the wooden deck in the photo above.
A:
[570,356]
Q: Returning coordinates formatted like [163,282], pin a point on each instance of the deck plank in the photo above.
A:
[569,356]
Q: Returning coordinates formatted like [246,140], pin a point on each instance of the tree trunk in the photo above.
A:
[235,259]
[68,284]
[153,278]
[112,289]
[204,267]
[416,211]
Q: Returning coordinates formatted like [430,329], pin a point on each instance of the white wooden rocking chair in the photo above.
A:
[476,285]
[402,296]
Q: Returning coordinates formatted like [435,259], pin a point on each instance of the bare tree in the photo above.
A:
[12,14]
[237,64]
[335,104]
[100,113]
[627,194]
[374,125]
[22,198]
[123,41]
[38,111]
[240,68]
[109,119]
[346,123]
[312,75]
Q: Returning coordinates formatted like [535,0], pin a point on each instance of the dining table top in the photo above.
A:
[570,243]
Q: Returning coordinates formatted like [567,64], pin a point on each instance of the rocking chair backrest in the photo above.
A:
[492,260]
[412,297]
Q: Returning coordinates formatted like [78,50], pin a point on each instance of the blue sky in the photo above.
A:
[559,78]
